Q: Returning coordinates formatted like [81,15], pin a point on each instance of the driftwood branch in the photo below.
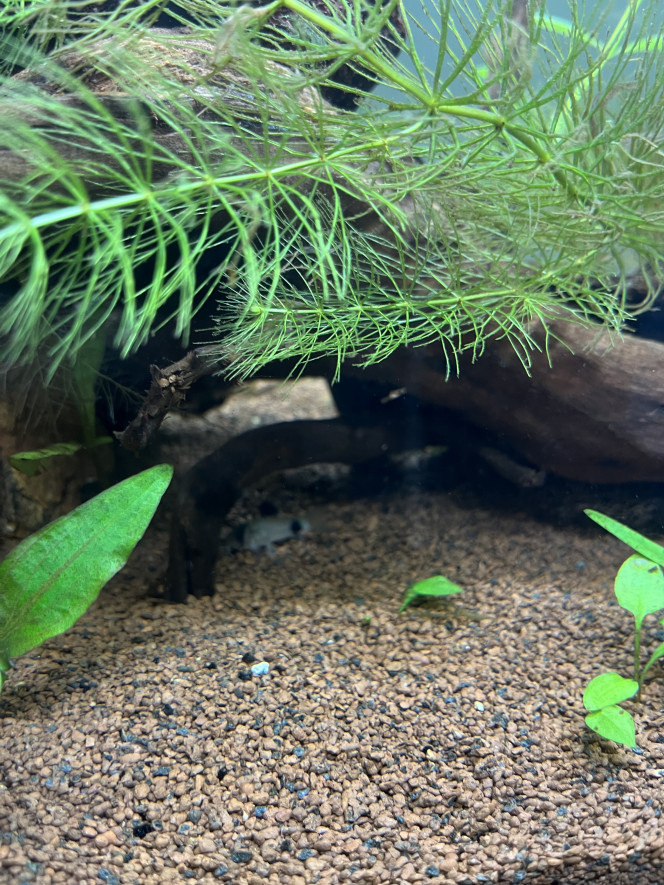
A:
[167,391]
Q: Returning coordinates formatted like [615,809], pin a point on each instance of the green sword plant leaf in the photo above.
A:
[639,589]
[52,577]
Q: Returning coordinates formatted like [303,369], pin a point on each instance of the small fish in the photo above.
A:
[268,531]
[508,468]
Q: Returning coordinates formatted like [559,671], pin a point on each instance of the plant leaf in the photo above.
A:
[613,723]
[30,463]
[639,587]
[655,656]
[51,578]
[85,376]
[647,548]
[608,689]
[434,586]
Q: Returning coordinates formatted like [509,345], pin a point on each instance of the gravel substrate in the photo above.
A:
[297,729]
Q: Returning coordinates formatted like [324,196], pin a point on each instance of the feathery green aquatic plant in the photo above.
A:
[146,174]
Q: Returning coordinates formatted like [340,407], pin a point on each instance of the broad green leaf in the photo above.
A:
[51,578]
[628,536]
[613,723]
[435,586]
[30,463]
[639,587]
[607,689]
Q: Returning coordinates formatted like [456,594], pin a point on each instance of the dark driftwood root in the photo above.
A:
[167,392]
[595,413]
[211,487]
[596,416]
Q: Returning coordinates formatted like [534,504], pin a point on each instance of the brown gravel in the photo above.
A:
[378,748]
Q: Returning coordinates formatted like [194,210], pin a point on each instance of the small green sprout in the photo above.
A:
[602,696]
[434,586]
[639,589]
[51,578]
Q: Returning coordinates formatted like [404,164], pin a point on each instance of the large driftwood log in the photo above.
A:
[592,411]
[589,409]
[597,415]
[189,61]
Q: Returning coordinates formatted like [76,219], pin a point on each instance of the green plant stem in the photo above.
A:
[638,675]
[187,188]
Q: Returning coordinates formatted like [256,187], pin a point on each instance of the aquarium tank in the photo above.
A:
[362,301]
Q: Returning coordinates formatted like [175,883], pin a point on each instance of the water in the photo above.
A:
[600,17]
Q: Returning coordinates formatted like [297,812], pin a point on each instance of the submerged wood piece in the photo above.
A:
[210,488]
[596,414]
[167,391]
[204,87]
[590,409]
[593,411]
[27,502]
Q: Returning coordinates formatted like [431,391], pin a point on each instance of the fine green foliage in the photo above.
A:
[509,177]
[639,589]
[51,578]
[438,585]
